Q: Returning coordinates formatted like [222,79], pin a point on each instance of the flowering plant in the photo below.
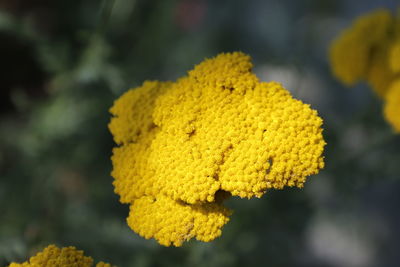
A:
[185,146]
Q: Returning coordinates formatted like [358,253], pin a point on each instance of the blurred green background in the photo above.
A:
[63,63]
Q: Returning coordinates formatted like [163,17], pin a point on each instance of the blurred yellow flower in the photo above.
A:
[370,50]
[219,131]
[350,53]
[392,106]
[53,256]
[380,75]
[394,57]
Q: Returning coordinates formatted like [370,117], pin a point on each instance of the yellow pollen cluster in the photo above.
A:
[369,50]
[185,146]
[53,256]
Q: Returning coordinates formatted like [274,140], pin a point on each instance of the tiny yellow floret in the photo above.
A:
[53,256]
[219,131]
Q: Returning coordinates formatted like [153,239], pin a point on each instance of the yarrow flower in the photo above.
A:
[369,51]
[185,146]
[360,52]
[53,256]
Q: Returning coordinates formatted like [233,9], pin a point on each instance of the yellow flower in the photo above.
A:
[173,222]
[351,52]
[380,75]
[392,106]
[349,58]
[394,57]
[219,131]
[53,256]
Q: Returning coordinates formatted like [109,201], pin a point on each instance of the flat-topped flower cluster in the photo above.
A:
[53,256]
[369,50]
[185,146]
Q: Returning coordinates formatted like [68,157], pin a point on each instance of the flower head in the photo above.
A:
[216,132]
[370,50]
[61,257]
[358,54]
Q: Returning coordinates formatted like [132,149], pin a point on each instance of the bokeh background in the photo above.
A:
[63,63]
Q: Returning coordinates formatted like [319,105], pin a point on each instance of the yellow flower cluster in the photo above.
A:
[360,52]
[53,256]
[369,50]
[185,146]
